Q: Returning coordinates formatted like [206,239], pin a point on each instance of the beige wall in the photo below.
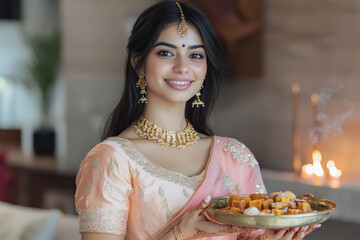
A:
[315,44]
[95,35]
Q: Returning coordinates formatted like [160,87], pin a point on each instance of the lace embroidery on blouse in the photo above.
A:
[95,164]
[260,188]
[103,220]
[231,186]
[239,152]
[156,170]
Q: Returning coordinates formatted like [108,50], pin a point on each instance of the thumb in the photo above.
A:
[204,203]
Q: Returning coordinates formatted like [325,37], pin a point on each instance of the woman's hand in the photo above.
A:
[297,233]
[194,225]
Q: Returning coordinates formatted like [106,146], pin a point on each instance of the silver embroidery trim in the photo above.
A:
[156,170]
[231,187]
[112,165]
[103,220]
[237,150]
[169,215]
[87,188]
[143,220]
[95,164]
[133,172]
[186,193]
[107,188]
[141,193]
[260,188]
[161,192]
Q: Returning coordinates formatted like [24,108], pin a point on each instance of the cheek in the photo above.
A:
[155,68]
[200,71]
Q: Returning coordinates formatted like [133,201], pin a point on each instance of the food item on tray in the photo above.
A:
[276,203]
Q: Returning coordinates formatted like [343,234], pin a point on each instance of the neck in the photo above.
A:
[170,116]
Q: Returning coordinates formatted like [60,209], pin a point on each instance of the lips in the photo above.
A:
[179,84]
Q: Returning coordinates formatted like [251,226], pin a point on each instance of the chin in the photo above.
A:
[180,99]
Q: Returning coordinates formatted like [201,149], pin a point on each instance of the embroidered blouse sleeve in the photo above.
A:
[103,189]
[257,184]
[255,181]
[245,172]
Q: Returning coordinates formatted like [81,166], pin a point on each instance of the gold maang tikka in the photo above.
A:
[141,83]
[197,102]
[183,27]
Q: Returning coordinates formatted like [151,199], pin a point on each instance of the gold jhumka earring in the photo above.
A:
[183,27]
[197,102]
[141,83]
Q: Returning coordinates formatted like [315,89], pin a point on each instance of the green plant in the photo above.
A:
[43,69]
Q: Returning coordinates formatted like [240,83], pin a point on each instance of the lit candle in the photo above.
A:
[296,129]
[334,173]
[307,171]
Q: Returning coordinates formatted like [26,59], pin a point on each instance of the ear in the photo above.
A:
[134,60]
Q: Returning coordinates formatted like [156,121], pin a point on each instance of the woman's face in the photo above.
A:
[176,66]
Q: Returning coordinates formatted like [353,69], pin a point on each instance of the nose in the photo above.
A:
[181,66]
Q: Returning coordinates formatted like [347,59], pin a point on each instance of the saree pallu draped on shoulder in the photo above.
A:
[232,170]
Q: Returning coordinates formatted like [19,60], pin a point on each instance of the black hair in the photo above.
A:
[144,34]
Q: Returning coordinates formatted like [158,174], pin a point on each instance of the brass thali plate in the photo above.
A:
[323,207]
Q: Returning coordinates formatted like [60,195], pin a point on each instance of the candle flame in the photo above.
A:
[308,168]
[314,98]
[316,156]
[315,167]
[334,172]
[318,170]
[296,88]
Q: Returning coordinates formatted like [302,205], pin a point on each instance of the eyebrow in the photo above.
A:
[175,47]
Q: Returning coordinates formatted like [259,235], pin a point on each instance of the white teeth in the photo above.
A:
[179,82]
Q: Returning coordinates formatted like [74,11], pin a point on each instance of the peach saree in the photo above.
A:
[120,191]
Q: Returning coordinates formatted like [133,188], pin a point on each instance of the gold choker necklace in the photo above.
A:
[175,139]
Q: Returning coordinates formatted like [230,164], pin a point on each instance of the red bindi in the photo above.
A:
[183,45]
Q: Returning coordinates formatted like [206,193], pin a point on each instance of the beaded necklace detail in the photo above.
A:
[175,139]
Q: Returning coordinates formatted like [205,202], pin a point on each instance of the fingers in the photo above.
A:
[300,234]
[305,230]
[296,233]
[248,233]
[203,204]
[312,228]
[280,233]
[284,234]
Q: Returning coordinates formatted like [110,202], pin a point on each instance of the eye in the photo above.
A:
[165,53]
[196,56]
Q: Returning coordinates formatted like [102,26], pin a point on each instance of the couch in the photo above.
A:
[24,223]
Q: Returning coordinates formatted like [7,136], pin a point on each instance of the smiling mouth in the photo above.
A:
[179,82]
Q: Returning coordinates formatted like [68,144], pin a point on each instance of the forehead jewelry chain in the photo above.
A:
[183,27]
[175,139]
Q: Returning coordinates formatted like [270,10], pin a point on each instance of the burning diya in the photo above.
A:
[316,172]
[313,171]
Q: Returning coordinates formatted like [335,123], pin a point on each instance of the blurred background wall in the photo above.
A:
[316,45]
[301,42]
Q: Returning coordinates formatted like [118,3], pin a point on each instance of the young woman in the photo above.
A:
[160,164]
